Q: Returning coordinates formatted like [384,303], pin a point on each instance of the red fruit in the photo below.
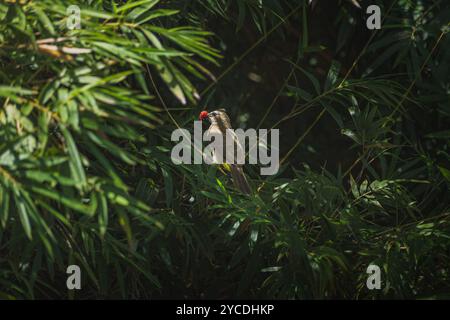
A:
[203,115]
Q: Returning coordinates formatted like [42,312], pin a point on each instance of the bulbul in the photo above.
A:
[220,122]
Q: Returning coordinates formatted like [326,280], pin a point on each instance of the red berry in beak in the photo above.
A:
[203,115]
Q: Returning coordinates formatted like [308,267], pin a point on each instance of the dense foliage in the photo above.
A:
[86,176]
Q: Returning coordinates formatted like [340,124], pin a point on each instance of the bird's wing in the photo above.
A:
[231,148]
[213,131]
[237,149]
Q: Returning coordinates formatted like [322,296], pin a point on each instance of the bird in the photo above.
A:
[219,123]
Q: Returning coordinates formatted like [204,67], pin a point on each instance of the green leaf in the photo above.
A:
[45,20]
[76,165]
[102,214]
[445,172]
[168,186]
[23,214]
[332,76]
[67,201]
[4,207]
[130,5]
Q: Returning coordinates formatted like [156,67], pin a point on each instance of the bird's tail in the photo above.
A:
[239,179]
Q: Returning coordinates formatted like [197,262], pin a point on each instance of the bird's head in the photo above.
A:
[214,116]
